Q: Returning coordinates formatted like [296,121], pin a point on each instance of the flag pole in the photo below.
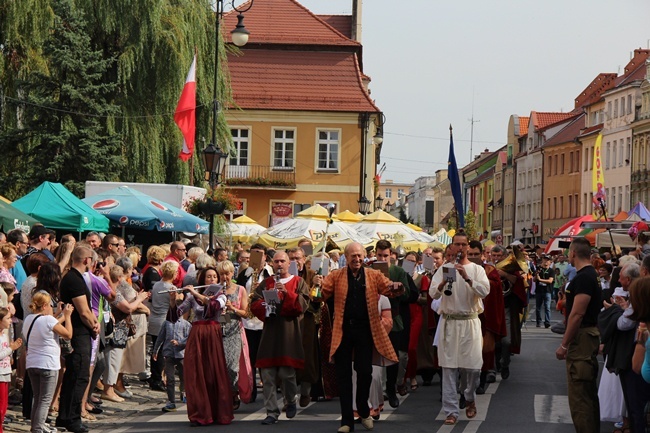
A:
[451,138]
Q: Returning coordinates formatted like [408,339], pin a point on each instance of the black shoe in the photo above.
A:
[539,325]
[95,410]
[491,377]
[547,325]
[158,386]
[393,400]
[461,402]
[480,390]
[126,382]
[505,372]
[291,410]
[269,420]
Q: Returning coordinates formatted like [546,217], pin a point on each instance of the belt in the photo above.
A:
[459,316]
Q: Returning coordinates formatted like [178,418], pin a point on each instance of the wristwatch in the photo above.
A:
[468,280]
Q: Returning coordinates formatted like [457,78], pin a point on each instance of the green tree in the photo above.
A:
[402,216]
[67,133]
[470,226]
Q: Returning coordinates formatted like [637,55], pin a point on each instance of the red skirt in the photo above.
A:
[209,394]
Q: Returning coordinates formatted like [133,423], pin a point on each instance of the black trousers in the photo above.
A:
[75,379]
[637,393]
[356,344]
[253,337]
[156,366]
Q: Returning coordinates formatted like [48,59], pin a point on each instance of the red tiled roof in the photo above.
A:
[286,22]
[342,23]
[593,92]
[568,133]
[543,120]
[591,130]
[635,69]
[298,80]
[523,125]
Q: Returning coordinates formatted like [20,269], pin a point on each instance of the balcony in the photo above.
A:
[260,176]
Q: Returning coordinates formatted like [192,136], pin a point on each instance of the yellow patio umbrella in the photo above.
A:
[244,229]
[382,225]
[348,217]
[414,227]
[311,224]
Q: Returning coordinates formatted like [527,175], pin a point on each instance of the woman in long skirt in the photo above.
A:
[208,387]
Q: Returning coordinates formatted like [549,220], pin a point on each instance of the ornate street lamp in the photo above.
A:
[389,207]
[523,234]
[379,201]
[364,205]
[213,157]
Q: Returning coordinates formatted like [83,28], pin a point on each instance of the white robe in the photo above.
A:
[460,341]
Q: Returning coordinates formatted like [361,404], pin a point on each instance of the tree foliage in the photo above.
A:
[148,46]
[470,226]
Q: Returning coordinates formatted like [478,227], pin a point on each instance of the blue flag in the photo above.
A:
[454,180]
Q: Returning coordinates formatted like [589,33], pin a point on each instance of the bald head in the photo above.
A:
[354,255]
[281,263]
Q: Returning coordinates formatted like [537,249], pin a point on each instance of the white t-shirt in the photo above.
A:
[43,349]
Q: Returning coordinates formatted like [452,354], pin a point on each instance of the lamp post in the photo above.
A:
[524,230]
[389,207]
[379,202]
[364,205]
[213,157]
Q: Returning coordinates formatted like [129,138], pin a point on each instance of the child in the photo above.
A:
[8,291]
[172,338]
[6,349]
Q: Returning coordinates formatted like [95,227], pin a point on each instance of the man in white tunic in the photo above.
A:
[460,341]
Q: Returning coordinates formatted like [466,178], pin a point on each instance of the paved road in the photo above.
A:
[533,400]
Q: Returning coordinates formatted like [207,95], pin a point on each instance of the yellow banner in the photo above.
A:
[598,181]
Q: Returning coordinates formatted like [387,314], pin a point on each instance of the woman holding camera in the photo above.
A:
[42,331]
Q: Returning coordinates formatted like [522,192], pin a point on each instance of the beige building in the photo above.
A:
[430,200]
[641,143]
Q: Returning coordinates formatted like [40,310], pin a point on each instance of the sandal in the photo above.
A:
[414,386]
[450,420]
[470,409]
[88,416]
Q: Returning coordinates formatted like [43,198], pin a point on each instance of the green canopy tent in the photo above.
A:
[11,218]
[59,209]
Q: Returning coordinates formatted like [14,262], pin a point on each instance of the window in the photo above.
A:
[621,150]
[615,107]
[611,203]
[609,110]
[609,148]
[562,164]
[400,193]
[554,208]
[620,196]
[240,140]
[614,154]
[628,151]
[623,106]
[283,148]
[561,212]
[570,206]
[550,165]
[328,150]
[389,193]
[555,164]
[576,204]
[577,161]
[570,162]
[629,104]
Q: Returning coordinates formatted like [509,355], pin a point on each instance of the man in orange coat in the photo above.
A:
[357,325]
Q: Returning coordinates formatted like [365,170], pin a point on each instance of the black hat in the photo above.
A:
[38,230]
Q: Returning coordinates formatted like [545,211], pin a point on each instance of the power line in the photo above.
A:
[440,138]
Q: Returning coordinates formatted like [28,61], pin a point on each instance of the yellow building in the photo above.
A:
[306,128]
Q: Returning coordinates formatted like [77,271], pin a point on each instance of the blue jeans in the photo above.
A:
[543,298]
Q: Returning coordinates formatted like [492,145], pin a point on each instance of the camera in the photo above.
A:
[101,264]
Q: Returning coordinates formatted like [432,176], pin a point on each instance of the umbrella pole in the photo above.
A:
[611,238]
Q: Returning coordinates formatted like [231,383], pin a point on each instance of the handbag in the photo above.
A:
[120,335]
[131,326]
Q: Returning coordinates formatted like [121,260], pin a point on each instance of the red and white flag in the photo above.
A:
[185,115]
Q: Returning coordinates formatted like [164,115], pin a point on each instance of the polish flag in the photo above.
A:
[185,115]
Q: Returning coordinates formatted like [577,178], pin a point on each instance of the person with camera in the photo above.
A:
[85,327]
[281,351]
[460,343]
[544,278]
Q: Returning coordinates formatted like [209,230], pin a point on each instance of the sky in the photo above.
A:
[436,63]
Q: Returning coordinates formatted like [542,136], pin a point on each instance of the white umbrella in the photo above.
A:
[244,229]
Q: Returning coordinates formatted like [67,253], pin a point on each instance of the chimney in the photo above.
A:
[356,20]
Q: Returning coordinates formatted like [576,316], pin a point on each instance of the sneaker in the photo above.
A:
[183,397]
[269,420]
[169,407]
[291,410]
[48,429]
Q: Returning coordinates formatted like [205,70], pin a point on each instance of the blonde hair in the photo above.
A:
[169,269]
[225,267]
[39,301]
[115,272]
[155,255]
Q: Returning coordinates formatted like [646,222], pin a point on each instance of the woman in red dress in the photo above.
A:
[208,387]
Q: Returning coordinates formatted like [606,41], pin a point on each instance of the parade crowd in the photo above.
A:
[78,320]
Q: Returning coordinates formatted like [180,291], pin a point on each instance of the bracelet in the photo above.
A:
[563,348]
